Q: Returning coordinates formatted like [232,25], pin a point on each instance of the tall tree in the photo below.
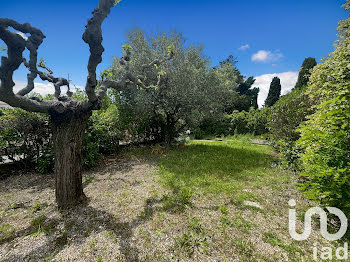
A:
[237,93]
[67,115]
[184,94]
[249,95]
[304,72]
[274,92]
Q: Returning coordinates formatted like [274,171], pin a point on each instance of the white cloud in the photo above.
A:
[266,56]
[288,80]
[42,88]
[244,47]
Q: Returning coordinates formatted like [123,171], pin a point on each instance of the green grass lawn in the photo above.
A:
[162,204]
[229,168]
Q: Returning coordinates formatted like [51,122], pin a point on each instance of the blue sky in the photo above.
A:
[274,35]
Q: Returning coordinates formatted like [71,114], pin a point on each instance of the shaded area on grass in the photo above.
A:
[94,220]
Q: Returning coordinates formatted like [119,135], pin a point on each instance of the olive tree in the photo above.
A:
[185,91]
[68,116]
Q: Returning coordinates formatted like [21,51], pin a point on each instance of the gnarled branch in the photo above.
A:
[16,44]
[93,37]
[57,81]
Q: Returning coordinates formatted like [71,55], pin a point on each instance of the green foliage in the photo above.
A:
[179,199]
[232,91]
[27,136]
[91,153]
[102,134]
[239,122]
[274,92]
[252,122]
[186,94]
[171,49]
[42,62]
[46,161]
[304,72]
[198,133]
[325,137]
[283,121]
[41,226]
[23,135]
[7,232]
[104,129]
[274,240]
[193,239]
[127,48]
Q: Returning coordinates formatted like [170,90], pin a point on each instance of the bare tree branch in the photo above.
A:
[58,82]
[16,44]
[93,37]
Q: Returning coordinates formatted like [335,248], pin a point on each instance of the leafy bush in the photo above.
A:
[104,129]
[27,136]
[239,122]
[218,126]
[91,153]
[253,122]
[283,121]
[198,133]
[325,137]
[46,161]
[23,135]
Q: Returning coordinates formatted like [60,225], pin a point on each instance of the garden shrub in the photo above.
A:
[27,136]
[239,122]
[283,122]
[218,126]
[252,122]
[257,121]
[104,129]
[325,137]
[23,135]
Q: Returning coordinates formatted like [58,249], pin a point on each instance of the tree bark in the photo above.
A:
[170,129]
[68,131]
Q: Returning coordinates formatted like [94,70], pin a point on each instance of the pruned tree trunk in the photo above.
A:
[68,131]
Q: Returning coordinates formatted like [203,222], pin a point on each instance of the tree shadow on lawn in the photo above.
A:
[38,182]
[211,166]
[79,223]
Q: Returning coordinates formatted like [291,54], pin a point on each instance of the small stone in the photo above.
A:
[252,204]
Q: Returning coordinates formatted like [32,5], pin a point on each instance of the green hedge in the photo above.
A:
[27,136]
[239,122]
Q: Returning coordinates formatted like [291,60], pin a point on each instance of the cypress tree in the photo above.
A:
[304,72]
[274,92]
